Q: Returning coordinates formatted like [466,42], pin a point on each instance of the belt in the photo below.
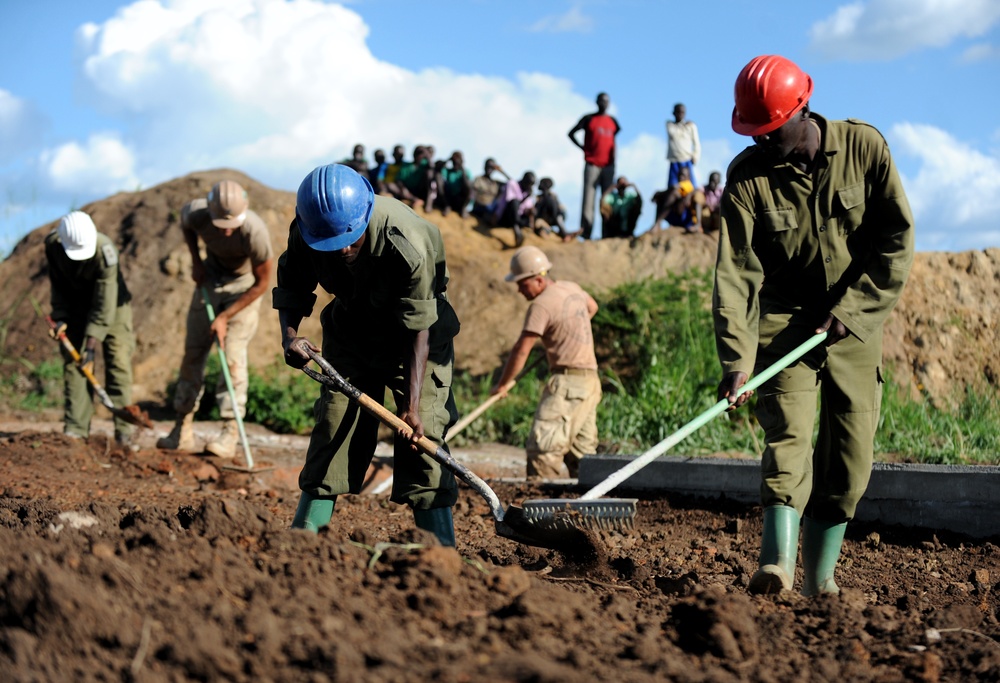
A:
[573,371]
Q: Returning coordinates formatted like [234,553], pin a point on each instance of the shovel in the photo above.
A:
[249,469]
[592,511]
[132,414]
[509,524]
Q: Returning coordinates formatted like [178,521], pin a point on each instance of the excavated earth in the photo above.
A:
[161,566]
[158,566]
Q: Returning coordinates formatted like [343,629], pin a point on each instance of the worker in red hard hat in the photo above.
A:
[817,235]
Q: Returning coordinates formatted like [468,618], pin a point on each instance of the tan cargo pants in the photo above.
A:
[565,426]
[198,343]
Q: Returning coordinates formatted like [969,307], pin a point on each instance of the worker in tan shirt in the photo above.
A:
[565,425]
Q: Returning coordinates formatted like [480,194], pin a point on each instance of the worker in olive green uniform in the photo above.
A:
[817,235]
[90,302]
[389,325]
[234,274]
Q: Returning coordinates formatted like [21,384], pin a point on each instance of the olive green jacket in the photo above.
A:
[398,283]
[86,293]
[800,245]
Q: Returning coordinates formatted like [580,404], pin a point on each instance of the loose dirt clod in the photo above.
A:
[181,578]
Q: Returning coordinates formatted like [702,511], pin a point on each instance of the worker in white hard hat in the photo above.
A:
[234,274]
[565,425]
[90,303]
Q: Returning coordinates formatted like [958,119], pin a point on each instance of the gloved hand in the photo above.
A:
[60,328]
[89,351]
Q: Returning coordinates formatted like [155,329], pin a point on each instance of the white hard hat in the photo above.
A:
[528,262]
[78,235]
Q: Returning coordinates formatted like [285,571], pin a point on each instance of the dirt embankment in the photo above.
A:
[941,337]
[156,566]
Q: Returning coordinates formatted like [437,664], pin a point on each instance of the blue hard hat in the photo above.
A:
[333,206]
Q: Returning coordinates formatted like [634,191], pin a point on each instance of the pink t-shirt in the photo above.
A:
[560,316]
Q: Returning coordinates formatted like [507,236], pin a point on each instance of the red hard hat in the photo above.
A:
[769,91]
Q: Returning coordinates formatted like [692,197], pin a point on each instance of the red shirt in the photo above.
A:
[599,139]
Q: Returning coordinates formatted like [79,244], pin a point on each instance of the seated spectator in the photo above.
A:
[550,214]
[620,209]
[680,205]
[515,206]
[454,185]
[711,216]
[414,180]
[391,181]
[357,160]
[376,173]
[485,190]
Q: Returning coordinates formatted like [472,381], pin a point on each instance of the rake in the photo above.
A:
[590,511]
[250,468]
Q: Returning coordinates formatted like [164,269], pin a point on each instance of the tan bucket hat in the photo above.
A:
[227,204]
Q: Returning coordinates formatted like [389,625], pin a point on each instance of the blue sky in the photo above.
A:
[103,96]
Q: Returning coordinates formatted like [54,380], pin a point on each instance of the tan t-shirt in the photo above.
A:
[228,257]
[560,316]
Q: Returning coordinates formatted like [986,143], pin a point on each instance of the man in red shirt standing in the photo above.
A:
[599,131]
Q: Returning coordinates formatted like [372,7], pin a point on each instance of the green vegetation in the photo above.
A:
[657,355]
[656,350]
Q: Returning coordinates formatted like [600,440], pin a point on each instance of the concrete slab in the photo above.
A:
[965,499]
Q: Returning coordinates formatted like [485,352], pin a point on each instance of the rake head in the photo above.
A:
[603,514]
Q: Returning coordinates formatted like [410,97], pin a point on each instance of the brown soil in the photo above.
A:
[941,338]
[154,566]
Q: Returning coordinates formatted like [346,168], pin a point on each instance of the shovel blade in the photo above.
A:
[561,514]
[133,414]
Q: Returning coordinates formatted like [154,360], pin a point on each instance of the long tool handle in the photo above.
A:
[335,380]
[659,449]
[75,355]
[482,407]
[229,383]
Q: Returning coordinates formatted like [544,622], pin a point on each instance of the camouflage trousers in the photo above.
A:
[198,343]
[565,426]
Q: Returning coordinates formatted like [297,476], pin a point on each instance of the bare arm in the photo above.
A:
[197,265]
[515,361]
[572,133]
[261,280]
[415,367]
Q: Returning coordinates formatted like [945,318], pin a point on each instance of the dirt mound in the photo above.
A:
[137,566]
[941,336]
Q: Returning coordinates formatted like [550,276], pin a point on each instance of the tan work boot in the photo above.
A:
[181,437]
[224,445]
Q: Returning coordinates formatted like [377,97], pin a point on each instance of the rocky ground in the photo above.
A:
[157,566]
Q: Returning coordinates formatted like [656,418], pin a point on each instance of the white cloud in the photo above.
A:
[885,29]
[955,195]
[274,88]
[572,21]
[980,52]
[21,126]
[104,164]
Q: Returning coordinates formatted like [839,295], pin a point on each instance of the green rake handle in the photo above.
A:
[659,449]
[229,383]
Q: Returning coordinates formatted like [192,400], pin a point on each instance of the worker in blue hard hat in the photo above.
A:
[390,325]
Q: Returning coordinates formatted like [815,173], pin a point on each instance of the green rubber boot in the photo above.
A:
[313,512]
[821,543]
[439,522]
[777,551]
